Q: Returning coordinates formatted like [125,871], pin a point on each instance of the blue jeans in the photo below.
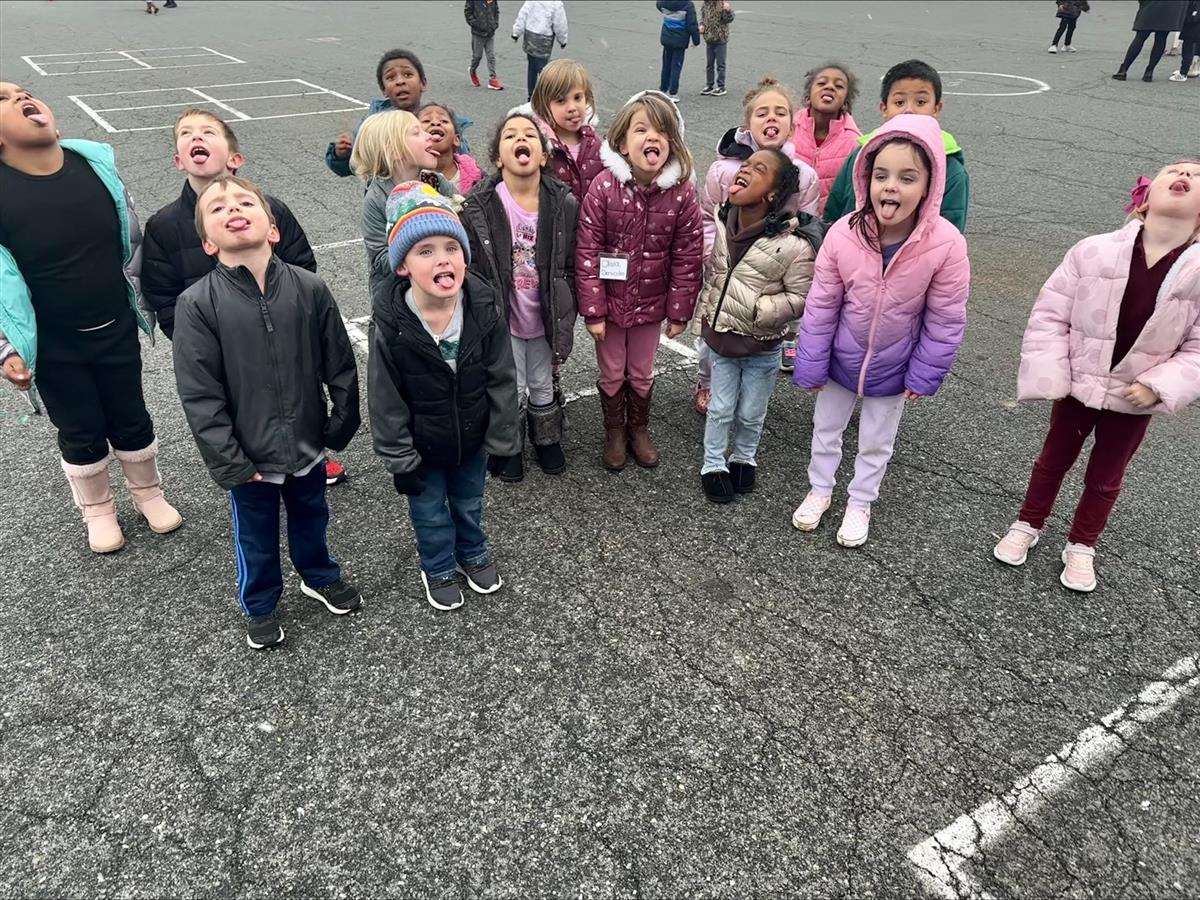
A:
[532,71]
[255,508]
[447,516]
[672,65]
[741,390]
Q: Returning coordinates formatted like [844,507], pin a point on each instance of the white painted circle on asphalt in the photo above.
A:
[1038,86]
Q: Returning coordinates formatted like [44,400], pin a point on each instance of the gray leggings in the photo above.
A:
[481,45]
[535,370]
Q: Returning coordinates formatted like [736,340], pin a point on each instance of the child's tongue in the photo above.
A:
[38,118]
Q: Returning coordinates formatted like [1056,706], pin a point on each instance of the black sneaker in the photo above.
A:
[719,92]
[742,476]
[483,578]
[263,632]
[443,594]
[717,487]
[707,92]
[339,598]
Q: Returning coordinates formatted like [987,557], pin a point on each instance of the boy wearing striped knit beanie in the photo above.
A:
[442,390]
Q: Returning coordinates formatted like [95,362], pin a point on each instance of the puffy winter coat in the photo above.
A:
[1159,15]
[374,226]
[173,260]
[841,200]
[1068,344]
[1190,29]
[482,17]
[880,332]
[715,19]
[657,228]
[1071,9]
[423,413]
[577,174]
[734,148]
[469,173]
[252,368]
[827,159]
[679,23]
[765,291]
[491,254]
[543,22]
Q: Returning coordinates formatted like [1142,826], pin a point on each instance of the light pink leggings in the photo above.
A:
[877,428]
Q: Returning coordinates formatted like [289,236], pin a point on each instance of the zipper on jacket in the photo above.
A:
[721,300]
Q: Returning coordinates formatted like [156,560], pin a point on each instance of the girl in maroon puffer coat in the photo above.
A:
[564,102]
[637,262]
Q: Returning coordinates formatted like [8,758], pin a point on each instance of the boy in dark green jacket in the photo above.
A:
[912,86]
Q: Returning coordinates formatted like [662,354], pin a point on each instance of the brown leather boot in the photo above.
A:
[637,418]
[613,457]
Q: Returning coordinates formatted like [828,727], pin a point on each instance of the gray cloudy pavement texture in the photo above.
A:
[668,698]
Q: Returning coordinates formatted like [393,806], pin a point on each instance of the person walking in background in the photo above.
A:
[1068,15]
[542,22]
[1157,17]
[679,26]
[714,26]
[1190,33]
[483,16]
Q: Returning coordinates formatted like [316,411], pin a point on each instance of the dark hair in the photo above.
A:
[398,54]
[911,68]
[851,83]
[444,108]
[863,220]
[494,149]
[787,183]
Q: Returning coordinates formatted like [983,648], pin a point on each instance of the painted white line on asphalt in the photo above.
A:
[941,860]
[358,337]
[336,244]
[592,391]
[95,115]
[677,346]
[1040,86]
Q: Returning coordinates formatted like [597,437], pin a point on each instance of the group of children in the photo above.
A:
[804,227]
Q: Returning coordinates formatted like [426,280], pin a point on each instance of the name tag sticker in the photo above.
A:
[614,267]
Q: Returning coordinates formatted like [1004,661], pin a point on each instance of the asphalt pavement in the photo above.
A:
[668,698]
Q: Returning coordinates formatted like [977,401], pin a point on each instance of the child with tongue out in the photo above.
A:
[637,262]
[1113,339]
[69,314]
[884,317]
[522,226]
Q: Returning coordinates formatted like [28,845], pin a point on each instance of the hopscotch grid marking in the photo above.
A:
[237,112]
[222,103]
[941,859]
[77,58]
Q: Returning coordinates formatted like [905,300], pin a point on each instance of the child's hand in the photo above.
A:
[342,145]
[597,332]
[15,371]
[1140,395]
[675,329]
[912,395]
[255,477]
[816,390]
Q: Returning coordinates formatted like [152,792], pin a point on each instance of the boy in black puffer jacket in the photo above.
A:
[441,389]
[258,344]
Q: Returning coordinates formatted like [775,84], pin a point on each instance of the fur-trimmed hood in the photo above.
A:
[668,177]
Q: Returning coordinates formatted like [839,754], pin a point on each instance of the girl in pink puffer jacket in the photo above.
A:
[1113,338]
[637,262]
[885,314]
[825,133]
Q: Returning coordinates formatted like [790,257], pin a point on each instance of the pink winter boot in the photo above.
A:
[145,486]
[93,496]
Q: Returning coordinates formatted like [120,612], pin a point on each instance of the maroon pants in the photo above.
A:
[1118,435]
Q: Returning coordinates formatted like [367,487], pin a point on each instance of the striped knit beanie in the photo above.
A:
[416,211]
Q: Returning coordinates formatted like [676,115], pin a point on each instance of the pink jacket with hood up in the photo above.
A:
[879,332]
[1068,344]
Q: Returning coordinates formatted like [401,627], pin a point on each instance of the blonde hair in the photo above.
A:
[381,143]
[556,81]
[768,84]
[665,119]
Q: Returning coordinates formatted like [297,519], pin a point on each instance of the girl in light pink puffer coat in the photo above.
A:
[1113,338]
[825,133]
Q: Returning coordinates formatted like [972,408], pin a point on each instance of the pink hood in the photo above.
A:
[828,158]
[1068,345]
[876,331]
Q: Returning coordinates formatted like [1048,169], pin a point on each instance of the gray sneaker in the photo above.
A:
[443,594]
[483,578]
[263,632]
